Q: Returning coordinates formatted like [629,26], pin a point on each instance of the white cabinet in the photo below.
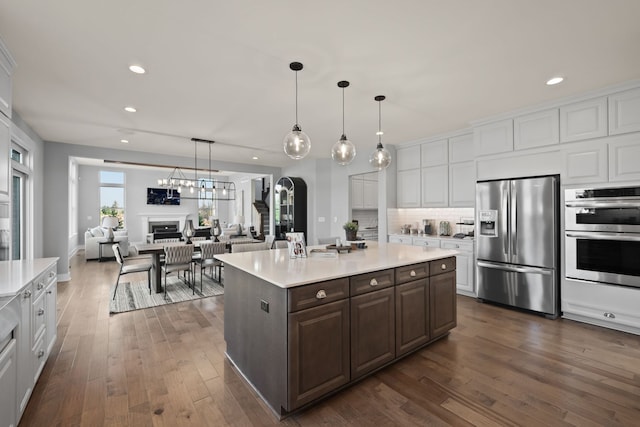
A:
[25,356]
[464,265]
[536,130]
[408,188]
[357,192]
[408,158]
[364,191]
[6,69]
[599,304]
[434,153]
[51,311]
[8,381]
[396,238]
[493,138]
[586,164]
[370,194]
[435,186]
[461,148]
[624,112]
[5,144]
[624,158]
[431,242]
[583,120]
[462,184]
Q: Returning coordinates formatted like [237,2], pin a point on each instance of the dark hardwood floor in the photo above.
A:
[166,367]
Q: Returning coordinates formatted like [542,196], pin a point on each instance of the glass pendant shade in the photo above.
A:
[343,152]
[380,158]
[296,144]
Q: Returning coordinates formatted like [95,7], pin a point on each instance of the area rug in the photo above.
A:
[135,296]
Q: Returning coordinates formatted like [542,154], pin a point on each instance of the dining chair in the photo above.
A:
[178,258]
[249,247]
[130,268]
[207,252]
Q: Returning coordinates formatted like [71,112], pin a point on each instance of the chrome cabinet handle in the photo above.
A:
[373,282]
[41,312]
[412,273]
[443,266]
[40,285]
[609,315]
[321,294]
[40,354]
[49,292]
[27,294]
[426,243]
[51,274]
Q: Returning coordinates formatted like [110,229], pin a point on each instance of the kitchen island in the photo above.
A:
[301,329]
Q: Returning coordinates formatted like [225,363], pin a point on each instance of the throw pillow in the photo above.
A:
[96,232]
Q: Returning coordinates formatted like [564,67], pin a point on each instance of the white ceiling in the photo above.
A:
[220,69]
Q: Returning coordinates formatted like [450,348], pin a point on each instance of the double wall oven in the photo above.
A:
[602,237]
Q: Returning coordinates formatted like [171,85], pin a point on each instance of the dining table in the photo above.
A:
[157,249]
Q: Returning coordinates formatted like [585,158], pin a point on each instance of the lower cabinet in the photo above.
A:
[412,315]
[442,303]
[465,271]
[318,351]
[8,381]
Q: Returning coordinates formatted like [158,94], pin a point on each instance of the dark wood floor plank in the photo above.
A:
[166,366]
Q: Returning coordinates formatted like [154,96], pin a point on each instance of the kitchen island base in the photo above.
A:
[299,344]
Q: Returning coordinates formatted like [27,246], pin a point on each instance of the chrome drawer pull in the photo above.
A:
[40,285]
[412,274]
[49,292]
[51,274]
[27,294]
[443,266]
[609,315]
[41,312]
[321,294]
[373,282]
[40,354]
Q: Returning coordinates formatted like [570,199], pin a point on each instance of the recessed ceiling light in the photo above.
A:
[554,80]
[130,109]
[137,69]
[124,141]
[255,157]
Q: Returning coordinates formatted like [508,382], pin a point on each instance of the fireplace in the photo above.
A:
[164,226]
[154,223]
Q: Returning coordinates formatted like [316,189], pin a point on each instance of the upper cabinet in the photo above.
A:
[408,158]
[624,158]
[583,120]
[536,130]
[624,112]
[434,153]
[461,148]
[364,191]
[6,69]
[5,143]
[493,138]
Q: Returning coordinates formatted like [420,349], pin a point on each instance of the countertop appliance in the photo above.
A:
[602,237]
[517,243]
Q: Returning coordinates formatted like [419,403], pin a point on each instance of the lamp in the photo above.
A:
[188,231]
[296,143]
[343,151]
[216,230]
[380,158]
[110,223]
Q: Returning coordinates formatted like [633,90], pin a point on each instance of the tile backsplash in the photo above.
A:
[397,217]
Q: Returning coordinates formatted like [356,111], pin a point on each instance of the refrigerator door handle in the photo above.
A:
[515,269]
[514,220]
[505,227]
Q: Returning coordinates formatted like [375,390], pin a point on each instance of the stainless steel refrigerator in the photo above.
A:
[517,243]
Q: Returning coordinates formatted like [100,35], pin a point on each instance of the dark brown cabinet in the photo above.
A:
[442,304]
[372,331]
[318,351]
[412,315]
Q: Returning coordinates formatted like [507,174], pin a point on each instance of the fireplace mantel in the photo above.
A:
[153,217]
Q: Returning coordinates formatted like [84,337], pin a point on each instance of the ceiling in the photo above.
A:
[220,69]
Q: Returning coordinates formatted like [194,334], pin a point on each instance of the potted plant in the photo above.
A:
[350,228]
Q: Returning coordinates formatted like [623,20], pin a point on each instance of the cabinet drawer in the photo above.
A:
[38,318]
[412,272]
[369,282]
[317,294]
[39,358]
[459,246]
[39,284]
[442,266]
[51,274]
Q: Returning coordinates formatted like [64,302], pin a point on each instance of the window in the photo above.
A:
[112,196]
[21,221]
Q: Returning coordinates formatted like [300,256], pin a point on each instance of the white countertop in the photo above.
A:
[275,266]
[15,275]
[434,236]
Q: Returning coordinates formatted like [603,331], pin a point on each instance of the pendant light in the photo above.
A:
[296,144]
[380,158]
[343,151]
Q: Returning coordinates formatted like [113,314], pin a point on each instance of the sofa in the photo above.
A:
[97,234]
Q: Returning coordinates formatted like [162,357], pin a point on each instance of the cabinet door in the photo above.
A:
[318,351]
[408,190]
[624,112]
[6,86]
[412,315]
[372,331]
[586,164]
[408,158]
[583,120]
[435,186]
[405,240]
[461,148]
[426,241]
[536,130]
[8,383]
[50,309]
[434,153]
[464,265]
[5,144]
[442,300]
[357,193]
[25,355]
[624,159]
[462,184]
[370,194]
[492,138]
